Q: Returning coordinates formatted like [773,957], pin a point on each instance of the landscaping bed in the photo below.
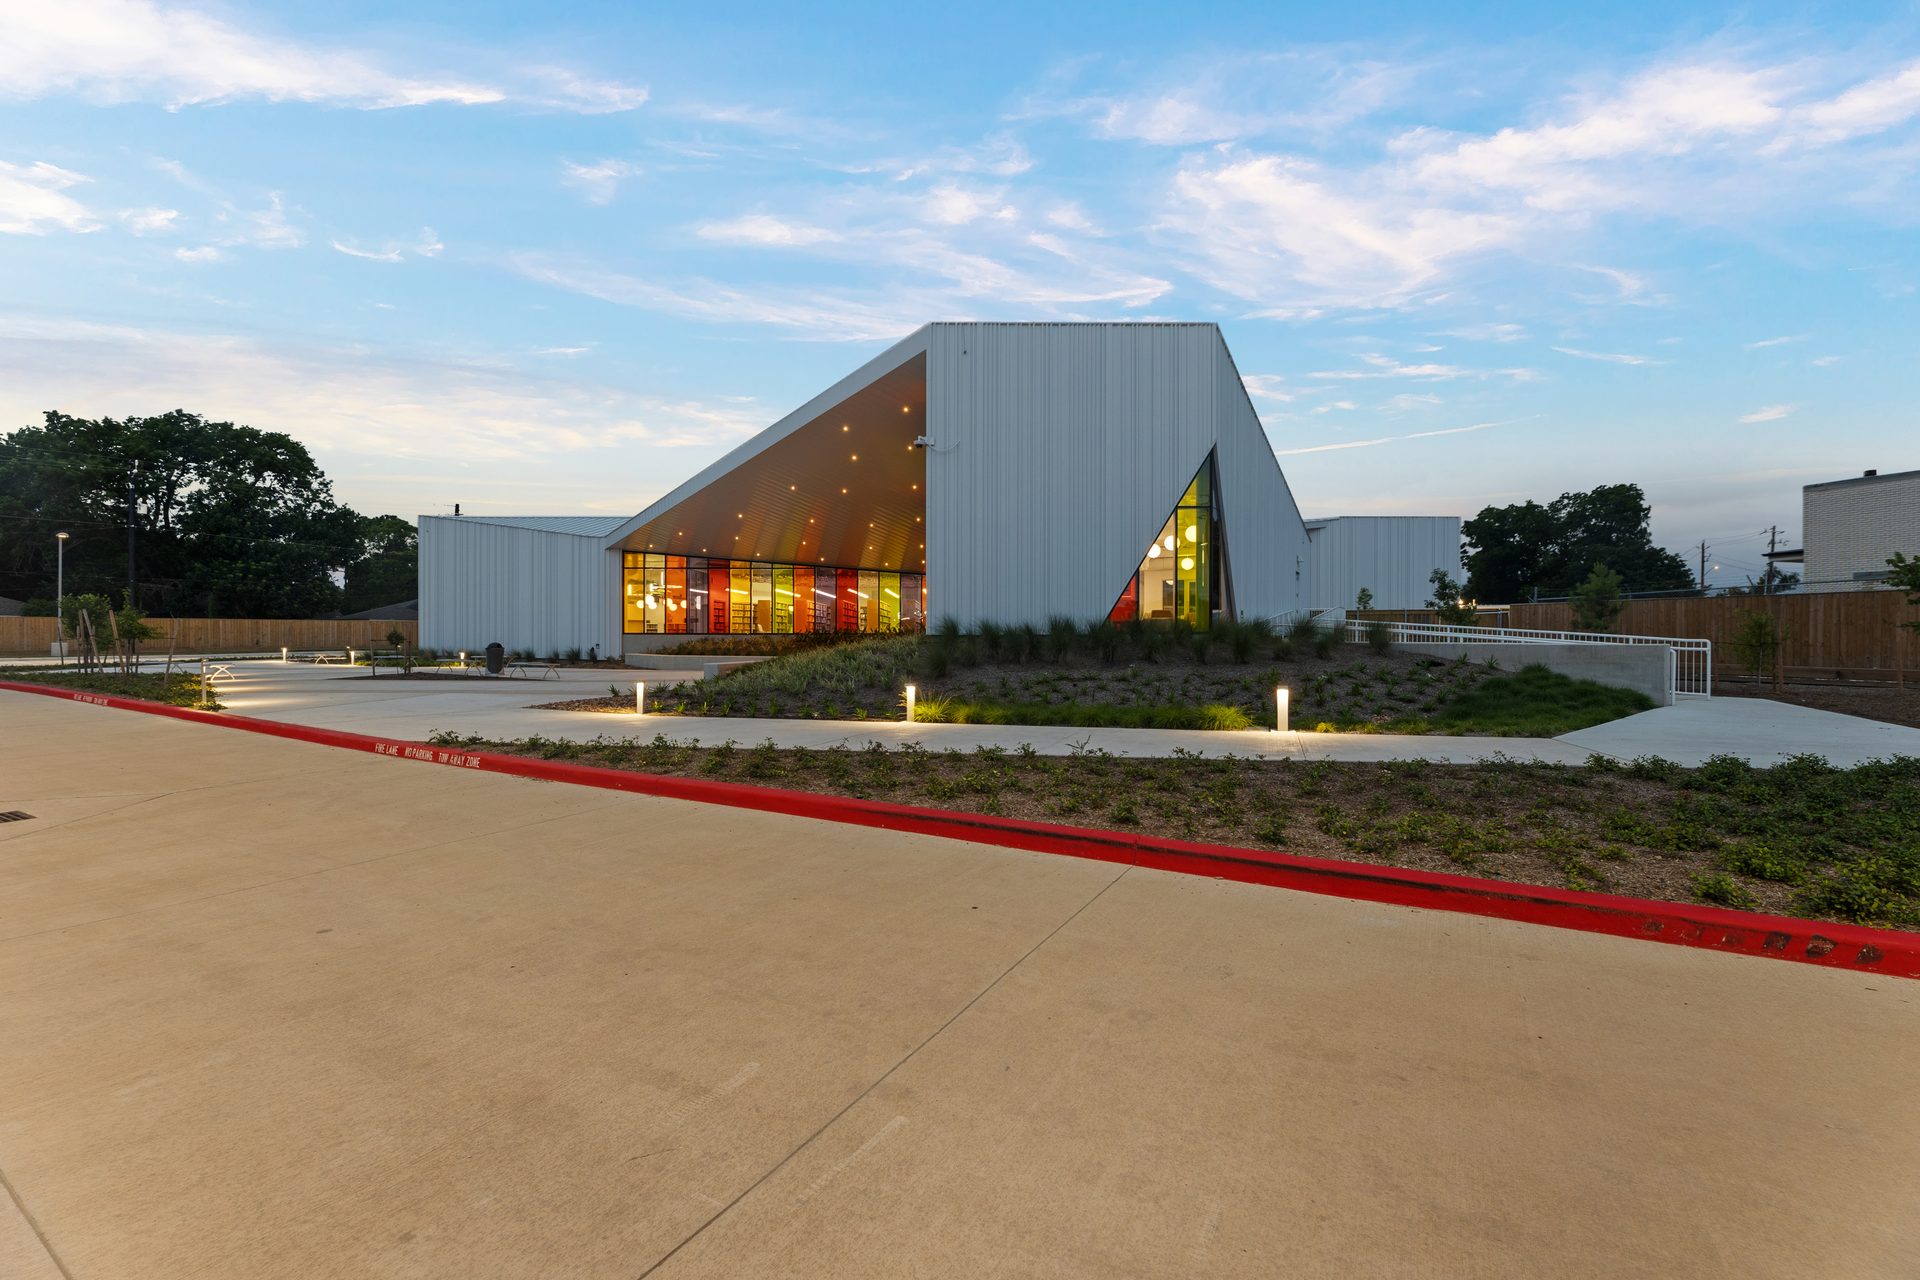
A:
[180,689]
[1800,838]
[1348,688]
[1871,701]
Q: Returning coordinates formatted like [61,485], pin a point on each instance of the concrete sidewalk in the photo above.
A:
[392,706]
[276,1010]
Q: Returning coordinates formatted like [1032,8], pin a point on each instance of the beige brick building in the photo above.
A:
[1852,526]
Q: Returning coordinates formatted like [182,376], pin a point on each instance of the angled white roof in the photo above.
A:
[579,526]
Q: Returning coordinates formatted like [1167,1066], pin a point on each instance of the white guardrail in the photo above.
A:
[1692,659]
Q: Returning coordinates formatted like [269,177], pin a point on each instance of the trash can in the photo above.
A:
[496,658]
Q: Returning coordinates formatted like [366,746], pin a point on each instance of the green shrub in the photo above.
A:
[1723,890]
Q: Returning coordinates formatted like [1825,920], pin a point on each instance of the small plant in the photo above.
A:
[1757,641]
[1723,890]
[1379,637]
[1596,602]
[1448,608]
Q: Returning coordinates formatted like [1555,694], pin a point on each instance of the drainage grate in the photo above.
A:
[15,815]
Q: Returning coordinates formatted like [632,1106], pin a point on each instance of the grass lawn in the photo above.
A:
[1199,683]
[1801,838]
[181,689]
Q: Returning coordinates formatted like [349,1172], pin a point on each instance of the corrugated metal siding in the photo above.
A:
[1392,556]
[1060,450]
[526,588]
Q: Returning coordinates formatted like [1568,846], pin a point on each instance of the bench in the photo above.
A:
[546,669]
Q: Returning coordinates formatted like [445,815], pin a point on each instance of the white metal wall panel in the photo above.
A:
[1060,449]
[527,588]
[1392,556]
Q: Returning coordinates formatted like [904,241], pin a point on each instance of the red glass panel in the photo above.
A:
[1129,603]
[848,600]
[676,593]
[718,613]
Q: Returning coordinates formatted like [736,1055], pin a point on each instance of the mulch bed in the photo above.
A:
[1801,839]
[1870,701]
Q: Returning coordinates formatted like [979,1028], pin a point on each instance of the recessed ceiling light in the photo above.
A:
[843,426]
[843,491]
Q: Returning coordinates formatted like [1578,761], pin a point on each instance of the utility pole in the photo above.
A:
[131,600]
[1773,544]
[1703,566]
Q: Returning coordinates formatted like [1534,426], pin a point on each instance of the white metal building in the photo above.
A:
[1004,472]
[1391,556]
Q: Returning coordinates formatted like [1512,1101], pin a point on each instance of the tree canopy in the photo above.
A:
[1515,552]
[227,520]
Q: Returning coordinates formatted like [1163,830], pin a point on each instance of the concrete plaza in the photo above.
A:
[274,1009]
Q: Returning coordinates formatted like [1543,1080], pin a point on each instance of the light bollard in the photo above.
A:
[204,696]
[283,655]
[1280,700]
[639,697]
[351,660]
[910,693]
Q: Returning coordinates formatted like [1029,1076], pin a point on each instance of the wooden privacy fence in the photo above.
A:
[35,636]
[1837,633]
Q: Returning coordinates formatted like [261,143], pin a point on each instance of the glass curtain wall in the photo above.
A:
[1178,578]
[695,595]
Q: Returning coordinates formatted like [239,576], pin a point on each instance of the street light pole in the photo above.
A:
[60,596]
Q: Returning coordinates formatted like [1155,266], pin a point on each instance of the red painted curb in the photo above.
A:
[1882,951]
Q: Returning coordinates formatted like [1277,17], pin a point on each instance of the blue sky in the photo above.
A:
[556,262]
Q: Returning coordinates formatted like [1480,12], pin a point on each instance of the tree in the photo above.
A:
[1446,603]
[1757,641]
[1904,575]
[1514,552]
[388,568]
[1363,601]
[1596,602]
[226,519]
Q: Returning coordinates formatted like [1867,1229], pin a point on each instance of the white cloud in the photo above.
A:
[600,181]
[265,228]
[347,400]
[1172,119]
[561,351]
[1267,386]
[142,50]
[1769,413]
[33,200]
[952,205]
[1871,106]
[1384,366]
[1380,440]
[1280,229]
[1775,342]
[1702,138]
[426,246]
[1611,357]
[1069,216]
[1489,333]
[763,229]
[1408,400]
[1001,155]
[205,253]
[1336,406]
[1824,362]
[144,222]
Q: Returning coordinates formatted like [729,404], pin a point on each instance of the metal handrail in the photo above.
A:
[1692,658]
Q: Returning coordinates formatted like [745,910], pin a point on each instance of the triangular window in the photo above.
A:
[1179,576]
